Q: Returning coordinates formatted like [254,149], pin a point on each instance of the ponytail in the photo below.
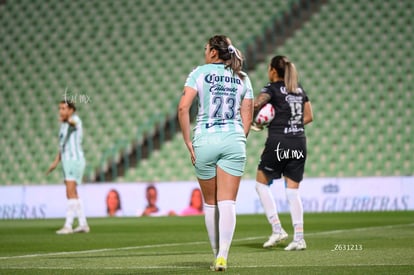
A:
[286,70]
[231,56]
[236,60]
[291,77]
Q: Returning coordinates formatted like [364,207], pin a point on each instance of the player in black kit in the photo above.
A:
[285,148]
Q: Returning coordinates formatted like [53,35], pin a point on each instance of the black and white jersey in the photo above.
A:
[289,108]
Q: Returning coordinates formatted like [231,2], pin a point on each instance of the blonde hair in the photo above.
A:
[291,77]
[287,71]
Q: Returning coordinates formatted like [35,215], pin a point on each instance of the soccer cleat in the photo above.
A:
[220,264]
[276,238]
[296,245]
[64,231]
[82,229]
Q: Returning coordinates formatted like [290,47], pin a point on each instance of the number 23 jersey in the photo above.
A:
[220,94]
[289,108]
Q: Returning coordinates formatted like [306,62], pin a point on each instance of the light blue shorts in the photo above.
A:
[73,170]
[226,150]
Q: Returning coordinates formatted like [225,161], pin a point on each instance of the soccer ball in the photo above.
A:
[265,115]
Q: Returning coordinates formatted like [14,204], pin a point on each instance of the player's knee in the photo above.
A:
[290,183]
[71,191]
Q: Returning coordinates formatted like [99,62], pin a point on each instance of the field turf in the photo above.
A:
[338,243]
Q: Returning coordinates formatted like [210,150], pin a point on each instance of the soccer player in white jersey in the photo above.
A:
[73,164]
[218,147]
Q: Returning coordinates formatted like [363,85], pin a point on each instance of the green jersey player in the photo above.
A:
[73,164]
[218,147]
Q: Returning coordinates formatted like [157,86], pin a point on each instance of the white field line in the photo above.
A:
[63,253]
[171,267]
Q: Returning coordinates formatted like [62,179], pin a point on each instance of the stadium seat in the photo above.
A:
[121,56]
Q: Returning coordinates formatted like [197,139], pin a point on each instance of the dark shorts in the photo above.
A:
[284,156]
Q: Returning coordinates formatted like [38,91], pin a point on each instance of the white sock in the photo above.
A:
[227,225]
[80,213]
[269,206]
[70,212]
[211,220]
[296,212]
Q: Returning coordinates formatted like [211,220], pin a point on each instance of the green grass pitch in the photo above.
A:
[366,243]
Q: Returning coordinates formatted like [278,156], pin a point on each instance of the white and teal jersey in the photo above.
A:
[70,140]
[220,94]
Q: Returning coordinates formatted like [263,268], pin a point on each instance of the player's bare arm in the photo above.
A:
[54,164]
[307,113]
[184,118]
[260,101]
[246,112]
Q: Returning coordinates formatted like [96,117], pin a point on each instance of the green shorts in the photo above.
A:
[226,150]
[73,170]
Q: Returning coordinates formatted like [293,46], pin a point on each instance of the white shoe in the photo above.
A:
[296,245]
[82,229]
[274,239]
[64,230]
